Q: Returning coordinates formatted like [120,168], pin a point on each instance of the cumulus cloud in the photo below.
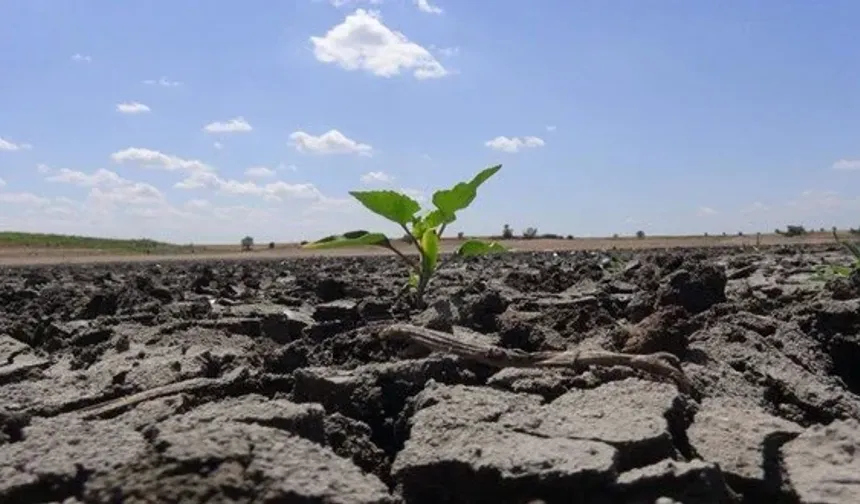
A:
[8,145]
[341,3]
[81,58]
[330,142]
[132,108]
[847,164]
[363,42]
[23,198]
[514,144]
[163,82]
[376,177]
[108,186]
[415,194]
[235,125]
[271,191]
[149,158]
[259,172]
[425,6]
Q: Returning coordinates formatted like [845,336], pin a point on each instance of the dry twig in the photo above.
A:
[661,364]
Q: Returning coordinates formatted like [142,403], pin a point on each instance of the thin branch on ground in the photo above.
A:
[192,386]
[662,364]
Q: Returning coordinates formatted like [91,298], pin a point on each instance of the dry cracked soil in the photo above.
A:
[269,381]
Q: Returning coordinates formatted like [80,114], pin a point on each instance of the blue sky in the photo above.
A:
[207,120]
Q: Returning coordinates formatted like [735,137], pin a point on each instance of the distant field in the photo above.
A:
[17,241]
[35,248]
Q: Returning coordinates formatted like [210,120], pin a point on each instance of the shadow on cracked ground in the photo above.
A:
[268,382]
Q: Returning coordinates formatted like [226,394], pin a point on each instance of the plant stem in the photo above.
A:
[441,230]
[415,240]
[406,259]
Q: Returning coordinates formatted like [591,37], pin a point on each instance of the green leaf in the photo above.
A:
[430,246]
[478,247]
[350,239]
[413,279]
[437,217]
[852,247]
[450,201]
[392,205]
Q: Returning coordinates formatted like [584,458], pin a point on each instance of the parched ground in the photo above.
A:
[34,254]
[269,380]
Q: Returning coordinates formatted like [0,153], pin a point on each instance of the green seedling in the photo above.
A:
[426,229]
[831,270]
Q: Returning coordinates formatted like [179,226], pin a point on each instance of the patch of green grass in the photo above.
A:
[60,241]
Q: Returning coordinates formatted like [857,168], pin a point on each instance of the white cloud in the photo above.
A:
[514,144]
[24,198]
[82,58]
[218,145]
[415,194]
[7,145]
[132,108]
[330,142]
[131,193]
[847,164]
[259,172]
[43,168]
[163,82]
[705,211]
[108,186]
[550,128]
[100,177]
[235,125]
[2,183]
[376,177]
[154,159]
[425,6]
[363,42]
[341,3]
[197,204]
[273,191]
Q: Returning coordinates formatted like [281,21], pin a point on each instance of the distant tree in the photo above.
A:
[640,234]
[530,233]
[271,245]
[507,232]
[460,235]
[795,230]
[247,243]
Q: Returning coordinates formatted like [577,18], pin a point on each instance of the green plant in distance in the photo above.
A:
[426,229]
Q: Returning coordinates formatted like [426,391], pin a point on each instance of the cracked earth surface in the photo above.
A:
[267,381]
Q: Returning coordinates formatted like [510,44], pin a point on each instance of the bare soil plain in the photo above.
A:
[276,379]
[20,255]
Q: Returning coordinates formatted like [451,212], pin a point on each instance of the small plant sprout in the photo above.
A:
[854,249]
[426,230]
[826,271]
